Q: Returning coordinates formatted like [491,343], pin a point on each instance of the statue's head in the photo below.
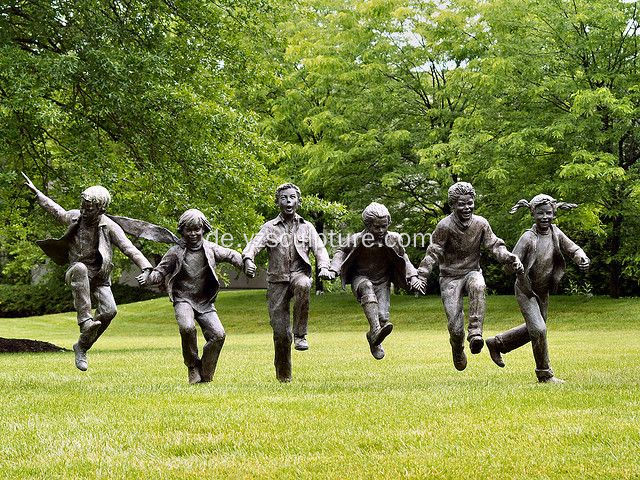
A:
[192,225]
[94,203]
[543,208]
[461,197]
[288,198]
[376,220]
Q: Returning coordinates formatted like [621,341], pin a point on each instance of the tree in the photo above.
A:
[133,95]
[560,115]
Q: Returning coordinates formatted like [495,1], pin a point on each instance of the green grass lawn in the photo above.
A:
[345,415]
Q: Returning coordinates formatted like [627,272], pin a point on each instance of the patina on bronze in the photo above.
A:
[370,260]
[88,248]
[189,274]
[456,245]
[288,239]
[542,249]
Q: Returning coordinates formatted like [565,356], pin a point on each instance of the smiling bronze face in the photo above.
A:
[543,215]
[463,207]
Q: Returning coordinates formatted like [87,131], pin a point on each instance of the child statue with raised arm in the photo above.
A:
[88,248]
[541,249]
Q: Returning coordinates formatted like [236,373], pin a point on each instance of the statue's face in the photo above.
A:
[192,235]
[378,227]
[90,211]
[288,201]
[543,215]
[463,207]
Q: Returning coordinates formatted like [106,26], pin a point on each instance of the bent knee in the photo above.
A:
[187,330]
[537,331]
[365,288]
[76,271]
[110,314]
[302,283]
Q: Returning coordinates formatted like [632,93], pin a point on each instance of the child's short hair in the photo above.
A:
[284,186]
[375,210]
[97,195]
[459,189]
[193,218]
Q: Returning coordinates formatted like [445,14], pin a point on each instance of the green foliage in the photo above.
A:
[401,98]
[135,96]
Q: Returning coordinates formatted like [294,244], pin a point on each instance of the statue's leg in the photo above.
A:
[476,288]
[189,337]
[537,332]
[77,277]
[451,291]
[279,294]
[363,290]
[106,309]
[301,285]
[214,335]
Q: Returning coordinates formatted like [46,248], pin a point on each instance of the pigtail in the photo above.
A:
[521,204]
[566,205]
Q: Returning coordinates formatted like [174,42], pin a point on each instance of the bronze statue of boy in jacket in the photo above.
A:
[370,260]
[288,239]
[188,270]
[88,248]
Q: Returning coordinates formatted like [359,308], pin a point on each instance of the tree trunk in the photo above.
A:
[615,267]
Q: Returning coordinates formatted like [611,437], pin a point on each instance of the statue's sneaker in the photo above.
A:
[459,360]
[551,380]
[194,375]
[81,357]
[300,343]
[492,346]
[377,351]
[476,344]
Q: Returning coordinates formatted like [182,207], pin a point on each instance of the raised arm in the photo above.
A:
[59,213]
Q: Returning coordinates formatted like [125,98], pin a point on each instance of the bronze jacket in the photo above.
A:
[457,249]
[525,249]
[403,269]
[109,232]
[171,264]
[270,237]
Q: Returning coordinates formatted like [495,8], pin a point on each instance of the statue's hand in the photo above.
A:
[418,285]
[583,263]
[29,184]
[249,268]
[143,277]
[326,274]
[517,266]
